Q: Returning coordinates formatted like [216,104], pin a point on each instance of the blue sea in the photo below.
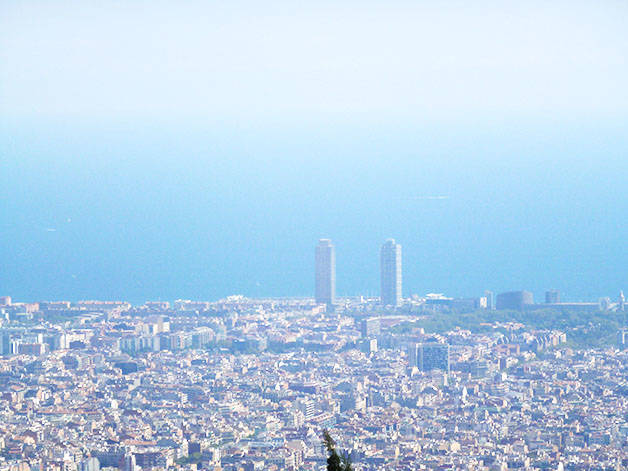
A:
[119,209]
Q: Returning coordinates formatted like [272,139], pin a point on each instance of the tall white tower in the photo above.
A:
[390,264]
[325,272]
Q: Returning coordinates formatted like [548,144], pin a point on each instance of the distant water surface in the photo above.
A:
[202,210]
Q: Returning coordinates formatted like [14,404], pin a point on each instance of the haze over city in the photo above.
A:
[199,150]
[313,236]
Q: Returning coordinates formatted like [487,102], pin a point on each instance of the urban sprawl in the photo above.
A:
[421,382]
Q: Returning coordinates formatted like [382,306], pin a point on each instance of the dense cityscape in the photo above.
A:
[313,236]
[404,383]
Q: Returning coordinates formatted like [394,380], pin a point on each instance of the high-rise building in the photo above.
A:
[490,300]
[514,300]
[5,342]
[325,272]
[552,296]
[370,327]
[430,356]
[390,264]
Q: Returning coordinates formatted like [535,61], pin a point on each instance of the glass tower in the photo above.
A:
[390,263]
[325,272]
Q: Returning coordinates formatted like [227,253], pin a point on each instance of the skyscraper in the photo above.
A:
[5,342]
[490,300]
[514,300]
[370,327]
[552,296]
[429,356]
[325,272]
[390,263]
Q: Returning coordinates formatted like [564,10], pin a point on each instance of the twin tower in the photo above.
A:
[390,272]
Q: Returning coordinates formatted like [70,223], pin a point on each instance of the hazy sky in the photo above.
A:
[199,149]
[241,58]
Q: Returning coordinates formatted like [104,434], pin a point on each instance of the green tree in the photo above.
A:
[335,462]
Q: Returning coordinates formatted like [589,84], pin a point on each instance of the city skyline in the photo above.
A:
[245,384]
[313,236]
[158,165]
[391,283]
